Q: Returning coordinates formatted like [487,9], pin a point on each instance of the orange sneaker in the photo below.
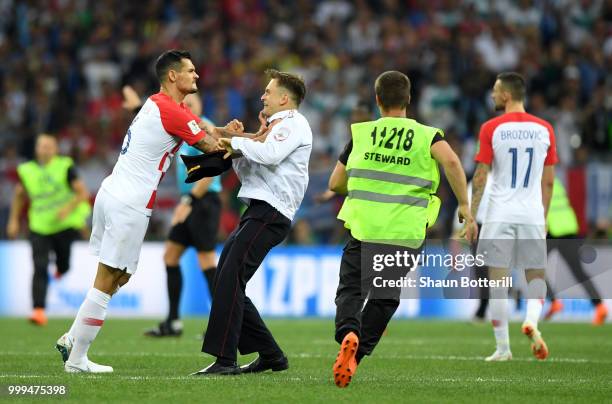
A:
[601,312]
[538,346]
[38,317]
[556,306]
[346,363]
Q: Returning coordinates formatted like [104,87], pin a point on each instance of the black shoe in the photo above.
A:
[164,329]
[261,365]
[478,317]
[217,369]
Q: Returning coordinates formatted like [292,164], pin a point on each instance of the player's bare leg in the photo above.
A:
[536,292]
[75,344]
[498,302]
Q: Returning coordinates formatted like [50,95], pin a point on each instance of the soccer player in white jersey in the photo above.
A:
[518,149]
[124,202]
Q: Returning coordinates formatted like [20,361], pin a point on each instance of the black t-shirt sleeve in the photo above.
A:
[437,137]
[72,174]
[343,158]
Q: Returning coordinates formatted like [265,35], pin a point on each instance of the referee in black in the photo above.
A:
[273,171]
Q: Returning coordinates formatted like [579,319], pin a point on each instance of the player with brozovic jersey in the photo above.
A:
[125,200]
[521,145]
[519,150]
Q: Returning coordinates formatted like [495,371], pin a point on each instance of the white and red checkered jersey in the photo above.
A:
[152,139]
[517,145]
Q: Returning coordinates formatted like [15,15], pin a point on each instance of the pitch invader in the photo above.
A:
[125,200]
[518,149]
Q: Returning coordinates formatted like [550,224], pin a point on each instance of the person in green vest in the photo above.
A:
[58,210]
[389,174]
[563,225]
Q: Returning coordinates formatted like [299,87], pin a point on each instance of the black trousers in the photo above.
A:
[42,245]
[234,322]
[569,247]
[481,272]
[369,321]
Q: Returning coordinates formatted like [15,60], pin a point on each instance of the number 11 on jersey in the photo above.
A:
[514,152]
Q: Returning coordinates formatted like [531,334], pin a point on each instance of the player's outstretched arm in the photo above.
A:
[19,197]
[338,180]
[323,197]
[443,154]
[81,194]
[201,187]
[207,144]
[448,159]
[131,99]
[548,181]
[233,128]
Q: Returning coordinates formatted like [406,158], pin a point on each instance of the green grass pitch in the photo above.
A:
[417,361]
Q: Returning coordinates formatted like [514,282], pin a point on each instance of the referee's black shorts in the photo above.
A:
[201,226]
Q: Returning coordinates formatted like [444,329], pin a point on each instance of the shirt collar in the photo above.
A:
[282,114]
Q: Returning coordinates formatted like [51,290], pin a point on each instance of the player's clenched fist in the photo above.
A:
[235,125]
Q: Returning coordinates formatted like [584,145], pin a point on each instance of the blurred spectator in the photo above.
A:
[439,101]
[301,233]
[566,129]
[9,160]
[499,50]
[521,13]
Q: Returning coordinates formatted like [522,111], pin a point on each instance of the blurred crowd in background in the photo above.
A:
[64,63]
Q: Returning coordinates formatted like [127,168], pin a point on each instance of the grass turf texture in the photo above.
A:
[418,361]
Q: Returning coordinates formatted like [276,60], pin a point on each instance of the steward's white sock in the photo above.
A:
[536,292]
[87,323]
[499,317]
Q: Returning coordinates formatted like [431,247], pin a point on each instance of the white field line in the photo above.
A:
[459,358]
[64,378]
[308,355]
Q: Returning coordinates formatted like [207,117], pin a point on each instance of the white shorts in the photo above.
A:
[513,245]
[117,233]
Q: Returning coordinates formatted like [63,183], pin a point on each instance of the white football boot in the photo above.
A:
[86,367]
[499,356]
[64,346]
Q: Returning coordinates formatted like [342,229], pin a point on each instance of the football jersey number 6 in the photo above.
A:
[126,142]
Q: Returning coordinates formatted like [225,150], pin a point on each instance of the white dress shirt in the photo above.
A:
[276,171]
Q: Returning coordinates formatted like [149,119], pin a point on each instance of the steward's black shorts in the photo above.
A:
[201,226]
[59,242]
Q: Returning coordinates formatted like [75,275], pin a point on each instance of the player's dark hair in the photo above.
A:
[169,60]
[292,82]
[47,134]
[514,83]
[393,89]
